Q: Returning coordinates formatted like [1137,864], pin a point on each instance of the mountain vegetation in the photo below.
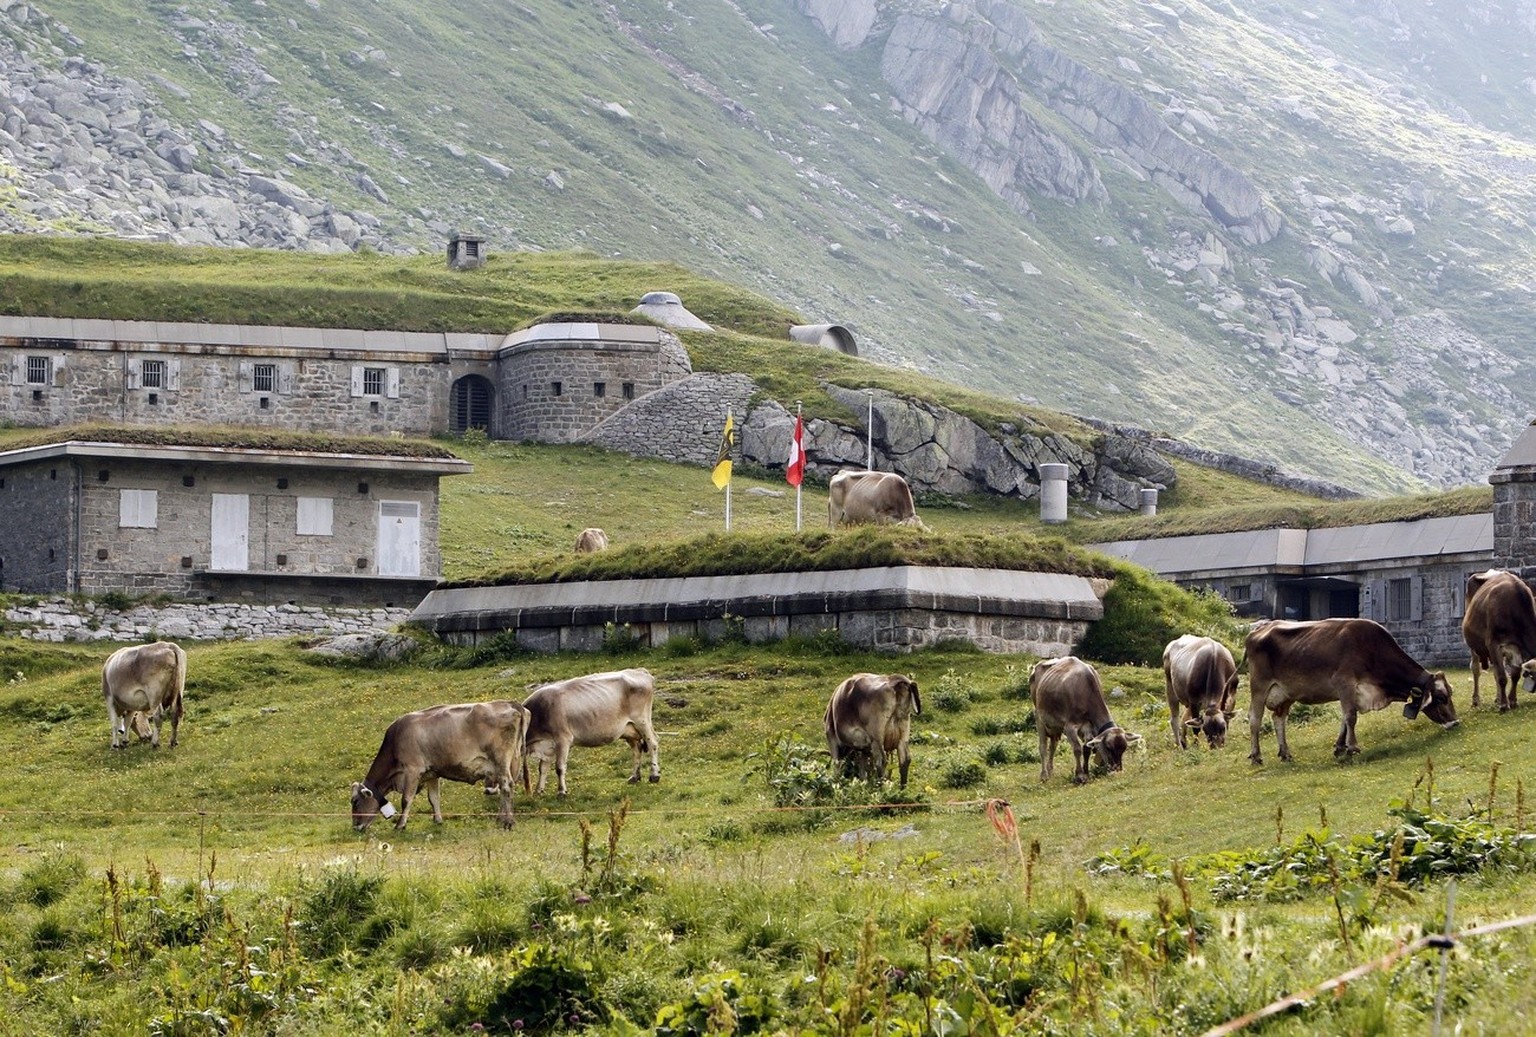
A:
[1297,232]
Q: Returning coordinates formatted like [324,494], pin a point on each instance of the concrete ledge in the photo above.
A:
[894,607]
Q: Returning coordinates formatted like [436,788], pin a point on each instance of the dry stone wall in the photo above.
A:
[62,619]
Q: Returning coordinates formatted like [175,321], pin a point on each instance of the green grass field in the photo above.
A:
[218,887]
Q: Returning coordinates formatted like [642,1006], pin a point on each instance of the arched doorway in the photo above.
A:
[470,406]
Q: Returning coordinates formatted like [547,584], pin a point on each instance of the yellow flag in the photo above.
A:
[722,473]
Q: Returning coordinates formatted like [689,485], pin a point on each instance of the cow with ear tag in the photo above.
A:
[1069,699]
[1200,675]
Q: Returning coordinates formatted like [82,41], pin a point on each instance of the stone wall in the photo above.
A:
[37,504]
[555,389]
[99,381]
[60,619]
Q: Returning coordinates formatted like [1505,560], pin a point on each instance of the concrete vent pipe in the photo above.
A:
[1149,502]
[833,336]
[1053,493]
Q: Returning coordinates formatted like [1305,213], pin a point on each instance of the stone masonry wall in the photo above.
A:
[36,512]
[61,619]
[595,380]
[163,559]
[99,382]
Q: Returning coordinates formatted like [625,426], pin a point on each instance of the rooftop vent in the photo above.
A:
[465,251]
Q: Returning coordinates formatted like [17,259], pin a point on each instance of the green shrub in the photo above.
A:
[49,880]
[1143,613]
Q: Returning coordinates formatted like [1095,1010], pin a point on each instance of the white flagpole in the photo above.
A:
[728,416]
[802,468]
[869,424]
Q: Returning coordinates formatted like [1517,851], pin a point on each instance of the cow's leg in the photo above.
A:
[877,761]
[903,760]
[633,738]
[1173,711]
[1500,680]
[562,754]
[1047,755]
[433,787]
[408,785]
[175,722]
[504,813]
[1476,667]
[1280,713]
[648,731]
[156,718]
[119,723]
[1346,745]
[1080,753]
[1255,724]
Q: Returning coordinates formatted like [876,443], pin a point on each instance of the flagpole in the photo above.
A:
[797,485]
[869,456]
[728,416]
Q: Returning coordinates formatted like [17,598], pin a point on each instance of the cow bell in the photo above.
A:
[1411,709]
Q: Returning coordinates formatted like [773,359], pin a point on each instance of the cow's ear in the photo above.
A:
[1229,713]
[1192,722]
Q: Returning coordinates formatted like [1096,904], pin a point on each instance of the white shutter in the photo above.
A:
[285,379]
[135,367]
[247,376]
[392,382]
[314,516]
[18,369]
[173,374]
[1416,602]
[357,380]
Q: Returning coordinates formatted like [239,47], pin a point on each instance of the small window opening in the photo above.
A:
[154,397]
[37,370]
[265,403]
[599,389]
[153,376]
[629,390]
[373,381]
[37,396]
[555,388]
[264,379]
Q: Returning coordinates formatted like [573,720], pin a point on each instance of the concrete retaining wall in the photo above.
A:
[62,619]
[893,608]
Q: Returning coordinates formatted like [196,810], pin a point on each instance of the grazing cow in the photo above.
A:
[472,742]
[1354,662]
[878,497]
[872,714]
[1500,628]
[591,541]
[1070,700]
[587,711]
[141,684]
[1200,674]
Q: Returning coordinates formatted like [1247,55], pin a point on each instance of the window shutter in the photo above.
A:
[357,380]
[392,382]
[247,376]
[57,363]
[285,379]
[17,370]
[135,366]
[173,374]
[1416,599]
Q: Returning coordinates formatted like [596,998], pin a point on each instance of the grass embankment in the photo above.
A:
[163,891]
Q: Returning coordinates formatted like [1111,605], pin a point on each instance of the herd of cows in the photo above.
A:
[1354,662]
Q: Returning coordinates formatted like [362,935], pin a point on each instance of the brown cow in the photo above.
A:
[1069,699]
[1354,662]
[1200,674]
[143,683]
[593,710]
[1499,627]
[472,741]
[591,541]
[872,714]
[880,497]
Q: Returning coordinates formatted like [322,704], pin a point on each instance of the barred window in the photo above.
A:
[373,381]
[1400,599]
[264,377]
[1240,592]
[154,374]
[37,370]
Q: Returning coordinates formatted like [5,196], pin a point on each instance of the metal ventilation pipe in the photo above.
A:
[1149,501]
[1053,493]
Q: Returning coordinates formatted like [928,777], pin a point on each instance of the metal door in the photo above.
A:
[231,531]
[399,538]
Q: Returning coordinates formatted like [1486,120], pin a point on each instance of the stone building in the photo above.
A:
[549,382]
[221,523]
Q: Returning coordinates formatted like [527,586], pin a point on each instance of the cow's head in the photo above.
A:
[1213,724]
[1111,745]
[1528,676]
[1435,703]
[366,806]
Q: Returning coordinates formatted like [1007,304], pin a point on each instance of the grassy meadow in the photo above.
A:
[218,887]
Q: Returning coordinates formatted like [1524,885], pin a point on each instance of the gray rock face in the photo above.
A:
[82,140]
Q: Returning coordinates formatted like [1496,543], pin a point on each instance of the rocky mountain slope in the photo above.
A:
[1293,232]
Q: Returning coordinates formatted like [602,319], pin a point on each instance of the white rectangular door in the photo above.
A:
[231,531]
[399,538]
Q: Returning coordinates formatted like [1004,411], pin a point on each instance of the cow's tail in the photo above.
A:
[180,676]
